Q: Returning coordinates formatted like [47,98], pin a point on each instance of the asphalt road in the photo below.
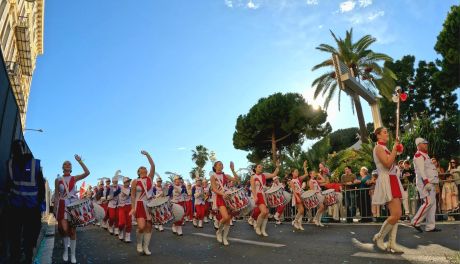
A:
[339,243]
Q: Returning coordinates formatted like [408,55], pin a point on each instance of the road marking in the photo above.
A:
[410,257]
[244,241]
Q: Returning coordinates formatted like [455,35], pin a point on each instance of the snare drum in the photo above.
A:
[310,199]
[81,213]
[287,197]
[330,197]
[275,197]
[236,200]
[160,210]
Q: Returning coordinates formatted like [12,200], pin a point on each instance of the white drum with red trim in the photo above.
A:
[275,196]
[81,213]
[160,210]
[287,197]
[310,199]
[330,197]
[236,200]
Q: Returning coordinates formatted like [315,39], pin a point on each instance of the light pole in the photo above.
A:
[33,129]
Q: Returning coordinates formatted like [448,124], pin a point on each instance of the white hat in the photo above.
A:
[198,179]
[375,172]
[115,178]
[159,179]
[176,177]
[419,141]
[126,179]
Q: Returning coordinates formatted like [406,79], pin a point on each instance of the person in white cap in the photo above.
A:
[198,193]
[112,197]
[124,207]
[158,192]
[176,194]
[426,175]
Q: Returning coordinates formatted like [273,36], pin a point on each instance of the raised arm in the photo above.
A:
[83,166]
[305,171]
[152,164]
[275,173]
[235,177]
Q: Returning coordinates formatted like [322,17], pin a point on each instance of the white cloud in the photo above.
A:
[375,15]
[181,148]
[312,2]
[347,6]
[364,3]
[251,5]
[229,3]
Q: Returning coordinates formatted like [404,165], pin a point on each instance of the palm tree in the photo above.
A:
[364,65]
[200,156]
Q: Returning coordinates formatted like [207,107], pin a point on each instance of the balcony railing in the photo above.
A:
[23,44]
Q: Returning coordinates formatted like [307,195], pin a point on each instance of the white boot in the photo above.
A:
[111,230]
[195,222]
[117,231]
[139,238]
[251,221]
[225,235]
[179,230]
[73,245]
[219,233]
[258,225]
[147,237]
[392,245]
[380,236]
[317,219]
[174,229]
[299,222]
[128,237]
[120,235]
[277,216]
[231,222]
[65,242]
[200,223]
[160,228]
[264,226]
[216,224]
[206,219]
[156,227]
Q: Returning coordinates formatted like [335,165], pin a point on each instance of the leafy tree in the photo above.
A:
[200,156]
[364,65]
[353,158]
[276,122]
[448,45]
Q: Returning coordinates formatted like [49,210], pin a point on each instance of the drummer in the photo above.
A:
[176,194]
[207,199]
[124,207]
[67,194]
[296,187]
[258,182]
[158,192]
[314,183]
[141,190]
[218,184]
[188,202]
[198,193]
[112,197]
[280,209]
[105,203]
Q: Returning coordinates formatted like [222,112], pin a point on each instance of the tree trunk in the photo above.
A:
[273,146]
[362,124]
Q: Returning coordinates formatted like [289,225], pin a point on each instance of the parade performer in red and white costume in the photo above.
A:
[314,184]
[198,193]
[176,193]
[188,201]
[296,187]
[426,175]
[124,207]
[97,195]
[105,203]
[388,189]
[218,184]
[158,192]
[258,183]
[66,190]
[280,209]
[141,192]
[112,197]
[207,199]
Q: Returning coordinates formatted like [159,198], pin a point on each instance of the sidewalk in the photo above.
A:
[45,242]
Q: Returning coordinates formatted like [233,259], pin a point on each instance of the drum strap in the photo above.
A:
[144,185]
[66,187]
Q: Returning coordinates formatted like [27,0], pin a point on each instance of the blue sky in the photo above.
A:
[166,76]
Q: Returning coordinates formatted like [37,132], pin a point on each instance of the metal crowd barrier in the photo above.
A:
[356,206]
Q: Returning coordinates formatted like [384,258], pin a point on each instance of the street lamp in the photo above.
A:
[33,129]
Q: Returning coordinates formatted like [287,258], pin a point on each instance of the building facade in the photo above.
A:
[21,37]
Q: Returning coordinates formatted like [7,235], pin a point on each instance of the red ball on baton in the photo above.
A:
[399,148]
[403,97]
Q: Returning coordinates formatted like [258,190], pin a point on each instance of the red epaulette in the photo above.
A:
[418,154]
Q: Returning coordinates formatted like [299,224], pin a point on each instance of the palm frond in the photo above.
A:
[325,63]
[327,48]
